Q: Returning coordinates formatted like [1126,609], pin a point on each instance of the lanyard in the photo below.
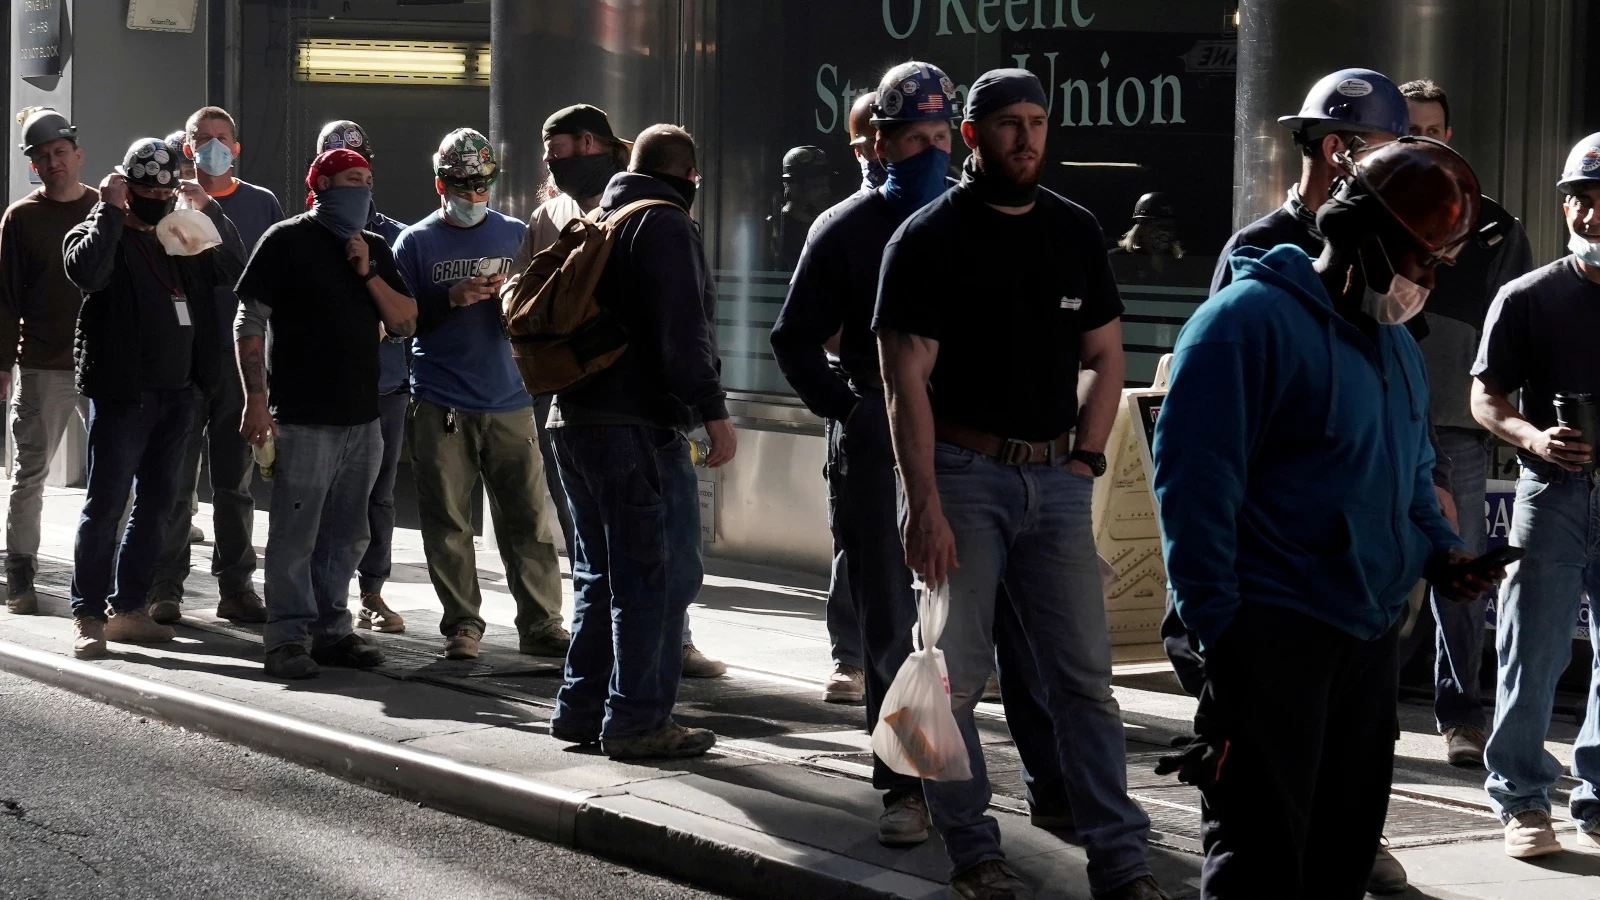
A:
[175,287]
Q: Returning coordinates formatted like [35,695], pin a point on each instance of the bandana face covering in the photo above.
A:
[342,210]
[916,181]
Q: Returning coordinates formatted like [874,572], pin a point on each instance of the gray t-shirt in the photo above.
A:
[252,209]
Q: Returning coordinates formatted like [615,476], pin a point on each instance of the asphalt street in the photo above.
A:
[98,803]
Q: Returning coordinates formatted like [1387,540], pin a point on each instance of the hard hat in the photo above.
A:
[1352,100]
[466,161]
[914,92]
[1583,166]
[148,162]
[1154,205]
[175,142]
[41,125]
[1428,188]
[343,134]
[805,162]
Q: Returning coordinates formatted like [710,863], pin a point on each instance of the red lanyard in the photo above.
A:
[175,287]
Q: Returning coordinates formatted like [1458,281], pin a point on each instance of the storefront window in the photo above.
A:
[1142,100]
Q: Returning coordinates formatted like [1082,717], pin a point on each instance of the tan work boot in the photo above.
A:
[463,644]
[670,741]
[376,615]
[21,600]
[699,665]
[847,684]
[88,638]
[242,606]
[136,627]
[1464,746]
[553,642]
[1530,834]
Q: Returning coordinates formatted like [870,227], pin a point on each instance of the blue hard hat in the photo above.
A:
[1352,100]
[914,92]
[1583,165]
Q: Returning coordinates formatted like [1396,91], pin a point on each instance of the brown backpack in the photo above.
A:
[559,335]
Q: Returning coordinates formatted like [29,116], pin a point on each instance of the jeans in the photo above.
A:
[844,632]
[498,448]
[1022,697]
[233,554]
[1027,528]
[373,569]
[1458,640]
[321,480]
[136,446]
[552,473]
[1558,522]
[636,511]
[44,403]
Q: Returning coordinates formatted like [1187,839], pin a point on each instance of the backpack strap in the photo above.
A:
[622,213]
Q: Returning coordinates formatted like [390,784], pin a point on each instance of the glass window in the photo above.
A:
[1142,100]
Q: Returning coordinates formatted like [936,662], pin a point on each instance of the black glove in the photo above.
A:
[1200,764]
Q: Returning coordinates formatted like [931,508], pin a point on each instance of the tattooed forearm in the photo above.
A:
[252,365]
[405,328]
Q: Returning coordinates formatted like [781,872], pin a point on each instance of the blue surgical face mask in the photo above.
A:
[342,210]
[1584,250]
[916,181]
[214,157]
[464,212]
[873,174]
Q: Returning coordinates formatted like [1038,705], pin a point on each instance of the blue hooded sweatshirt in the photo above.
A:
[1292,457]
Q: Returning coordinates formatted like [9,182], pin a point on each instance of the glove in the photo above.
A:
[1199,764]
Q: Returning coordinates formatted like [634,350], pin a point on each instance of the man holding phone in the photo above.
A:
[469,412]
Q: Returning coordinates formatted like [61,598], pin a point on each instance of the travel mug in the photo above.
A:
[1576,411]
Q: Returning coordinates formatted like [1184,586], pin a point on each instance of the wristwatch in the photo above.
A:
[1095,461]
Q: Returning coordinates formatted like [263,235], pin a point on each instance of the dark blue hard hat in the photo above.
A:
[914,92]
[1352,100]
[1583,166]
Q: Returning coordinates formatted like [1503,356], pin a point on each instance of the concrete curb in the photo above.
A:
[697,849]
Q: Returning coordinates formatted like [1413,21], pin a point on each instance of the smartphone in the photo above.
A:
[490,266]
[1498,558]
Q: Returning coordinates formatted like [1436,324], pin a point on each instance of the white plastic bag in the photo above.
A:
[187,231]
[917,733]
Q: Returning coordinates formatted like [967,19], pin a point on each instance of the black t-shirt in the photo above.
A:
[1540,338]
[166,344]
[322,337]
[1008,298]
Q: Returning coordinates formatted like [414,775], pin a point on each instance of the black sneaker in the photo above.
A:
[291,661]
[351,652]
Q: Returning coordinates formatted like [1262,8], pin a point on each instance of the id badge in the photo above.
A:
[180,304]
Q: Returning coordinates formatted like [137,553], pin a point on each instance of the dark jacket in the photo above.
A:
[657,283]
[107,345]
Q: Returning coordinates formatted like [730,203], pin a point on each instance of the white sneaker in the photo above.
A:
[1531,834]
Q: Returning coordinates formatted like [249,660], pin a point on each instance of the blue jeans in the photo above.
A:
[138,446]
[636,512]
[1558,522]
[1028,528]
[1458,640]
[318,530]
[376,563]
[844,632]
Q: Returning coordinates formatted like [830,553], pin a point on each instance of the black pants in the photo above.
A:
[1308,714]
[233,552]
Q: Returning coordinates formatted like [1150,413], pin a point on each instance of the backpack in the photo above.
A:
[560,337]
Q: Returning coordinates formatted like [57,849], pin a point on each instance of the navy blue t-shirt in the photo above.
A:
[252,209]
[462,359]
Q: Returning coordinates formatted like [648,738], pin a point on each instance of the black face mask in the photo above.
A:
[685,188]
[150,211]
[995,190]
[582,177]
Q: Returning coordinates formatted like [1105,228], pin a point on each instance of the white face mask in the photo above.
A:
[1586,251]
[464,212]
[1404,299]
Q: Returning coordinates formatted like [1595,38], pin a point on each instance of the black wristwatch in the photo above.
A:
[1095,461]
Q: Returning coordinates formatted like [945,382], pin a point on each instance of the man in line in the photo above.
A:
[1294,480]
[1538,342]
[583,154]
[393,394]
[38,313]
[625,464]
[470,416]
[981,412]
[807,188]
[323,286]
[1456,309]
[210,143]
[146,340]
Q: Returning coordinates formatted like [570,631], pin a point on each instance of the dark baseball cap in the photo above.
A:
[579,119]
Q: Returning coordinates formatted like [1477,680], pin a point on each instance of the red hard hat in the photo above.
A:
[1427,187]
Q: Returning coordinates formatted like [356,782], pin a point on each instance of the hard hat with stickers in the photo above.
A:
[343,134]
[466,161]
[914,92]
[148,162]
[1582,170]
[1351,100]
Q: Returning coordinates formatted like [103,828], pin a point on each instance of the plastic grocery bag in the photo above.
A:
[187,231]
[917,733]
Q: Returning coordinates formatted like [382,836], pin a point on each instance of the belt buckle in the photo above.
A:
[1015,453]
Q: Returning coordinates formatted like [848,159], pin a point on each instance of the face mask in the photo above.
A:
[214,157]
[873,174]
[342,210]
[685,188]
[464,212]
[149,211]
[1586,251]
[916,181]
[1401,303]
[581,177]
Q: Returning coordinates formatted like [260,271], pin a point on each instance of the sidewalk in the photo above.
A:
[782,806]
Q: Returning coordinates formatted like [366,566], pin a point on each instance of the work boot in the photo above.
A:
[242,606]
[904,821]
[165,605]
[1464,746]
[88,638]
[847,684]
[670,741]
[291,661]
[991,879]
[377,616]
[21,600]
[350,652]
[1142,888]
[1530,834]
[196,536]
[463,644]
[136,627]
[552,641]
[699,665]
[991,689]
[1388,876]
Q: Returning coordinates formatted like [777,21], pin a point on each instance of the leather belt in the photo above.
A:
[1010,451]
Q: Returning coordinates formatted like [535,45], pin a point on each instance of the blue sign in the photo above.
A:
[1499,501]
